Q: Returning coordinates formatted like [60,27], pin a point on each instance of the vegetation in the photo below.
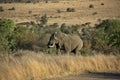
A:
[69,29]
[6,34]
[102,3]
[70,10]
[1,9]
[24,38]
[30,12]
[13,8]
[103,38]
[91,6]
[29,65]
[59,11]
[95,13]
[43,19]
[107,36]
[23,48]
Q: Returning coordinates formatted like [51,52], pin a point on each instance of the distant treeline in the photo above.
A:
[25,1]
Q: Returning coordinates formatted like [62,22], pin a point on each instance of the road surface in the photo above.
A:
[90,76]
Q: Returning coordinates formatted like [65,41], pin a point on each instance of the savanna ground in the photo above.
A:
[26,12]
[36,66]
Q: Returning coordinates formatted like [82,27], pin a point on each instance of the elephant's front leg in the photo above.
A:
[58,49]
[67,48]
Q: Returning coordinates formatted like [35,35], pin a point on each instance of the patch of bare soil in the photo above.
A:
[90,76]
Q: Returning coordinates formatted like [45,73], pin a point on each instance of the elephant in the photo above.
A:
[66,42]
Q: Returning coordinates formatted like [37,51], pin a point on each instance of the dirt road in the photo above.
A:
[91,76]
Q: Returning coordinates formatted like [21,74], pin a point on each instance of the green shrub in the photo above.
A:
[107,35]
[41,42]
[25,38]
[112,29]
[6,27]
[69,29]
[21,37]
[6,34]
[100,40]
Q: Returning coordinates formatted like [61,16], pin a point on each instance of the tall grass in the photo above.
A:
[33,66]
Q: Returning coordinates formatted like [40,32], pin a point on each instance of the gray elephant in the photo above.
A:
[66,42]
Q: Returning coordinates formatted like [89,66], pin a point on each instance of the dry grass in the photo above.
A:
[34,66]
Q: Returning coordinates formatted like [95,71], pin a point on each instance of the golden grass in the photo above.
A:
[33,66]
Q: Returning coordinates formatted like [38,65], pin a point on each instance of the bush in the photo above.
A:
[99,40]
[6,34]
[95,13]
[28,38]
[46,1]
[28,1]
[59,11]
[13,8]
[91,6]
[104,38]
[107,36]
[30,12]
[43,19]
[69,29]
[55,25]
[102,3]
[1,9]
[25,38]
[41,43]
[70,10]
